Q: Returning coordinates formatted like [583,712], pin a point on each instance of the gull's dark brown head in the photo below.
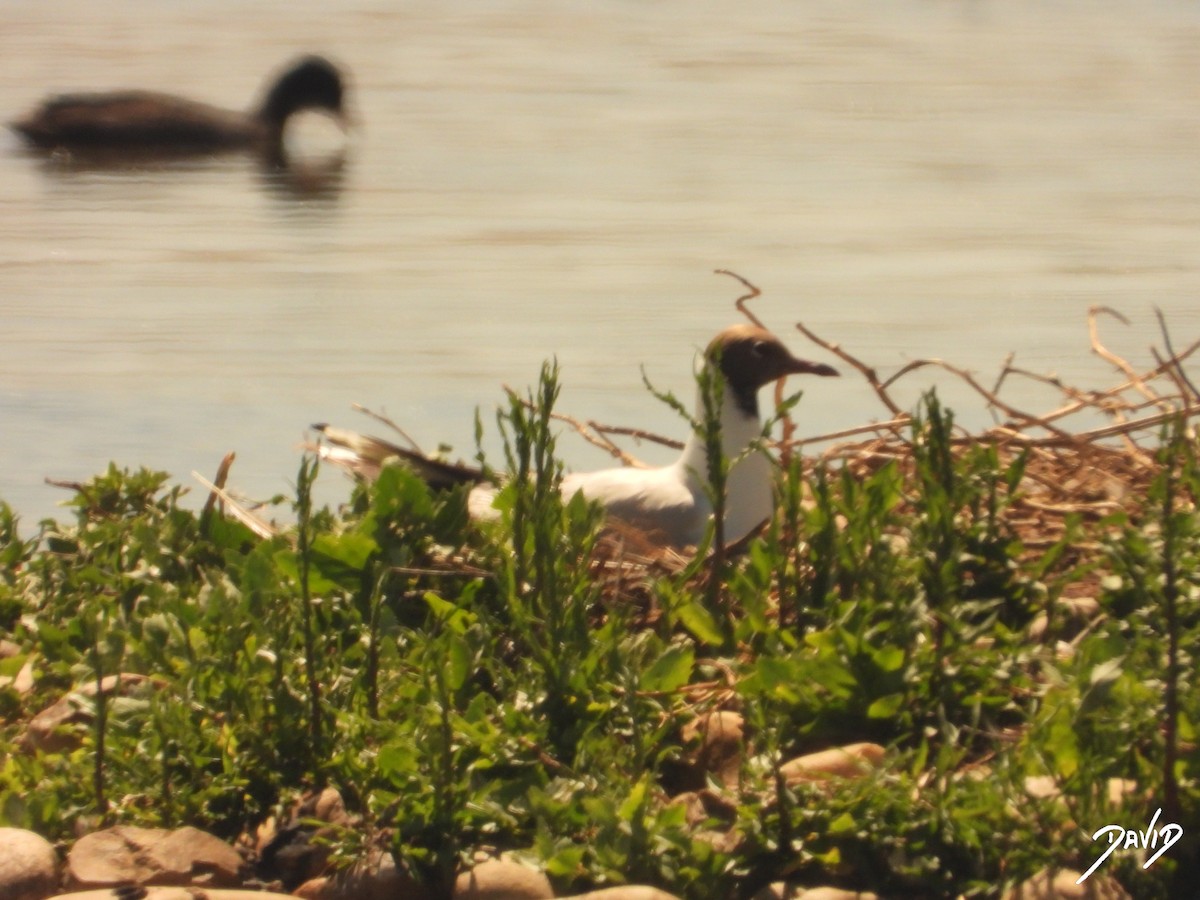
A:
[750,357]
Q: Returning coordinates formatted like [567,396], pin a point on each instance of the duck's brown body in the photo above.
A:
[147,122]
[138,119]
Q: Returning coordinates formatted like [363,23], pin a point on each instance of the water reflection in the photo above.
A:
[320,183]
[299,177]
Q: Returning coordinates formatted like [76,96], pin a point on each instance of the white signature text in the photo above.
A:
[1119,836]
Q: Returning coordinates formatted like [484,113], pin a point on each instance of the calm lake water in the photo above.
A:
[951,179]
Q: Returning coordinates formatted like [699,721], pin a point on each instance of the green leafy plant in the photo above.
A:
[490,685]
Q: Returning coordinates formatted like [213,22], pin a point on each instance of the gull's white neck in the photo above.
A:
[748,498]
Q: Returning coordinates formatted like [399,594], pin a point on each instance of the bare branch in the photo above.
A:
[1173,361]
[741,301]
[867,371]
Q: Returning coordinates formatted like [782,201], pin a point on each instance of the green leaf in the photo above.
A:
[700,622]
[1063,747]
[832,858]
[350,549]
[565,863]
[1100,684]
[458,662]
[885,707]
[450,614]
[1106,672]
[888,659]
[843,824]
[775,677]
[670,671]
[400,489]
[633,803]
[287,563]
[1187,731]
[397,759]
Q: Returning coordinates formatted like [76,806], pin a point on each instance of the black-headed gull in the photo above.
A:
[669,503]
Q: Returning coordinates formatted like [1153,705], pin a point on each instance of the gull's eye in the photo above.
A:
[758,349]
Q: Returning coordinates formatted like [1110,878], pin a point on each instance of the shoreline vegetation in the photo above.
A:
[990,638]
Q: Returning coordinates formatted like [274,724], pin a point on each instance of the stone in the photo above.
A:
[782,891]
[56,727]
[22,682]
[292,857]
[321,888]
[330,807]
[1041,787]
[502,879]
[705,807]
[850,761]
[156,856]
[28,865]
[624,892]
[376,878]
[720,734]
[293,853]
[178,893]
[706,812]
[1059,884]
[1044,787]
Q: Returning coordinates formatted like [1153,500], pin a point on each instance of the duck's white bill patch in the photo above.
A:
[314,138]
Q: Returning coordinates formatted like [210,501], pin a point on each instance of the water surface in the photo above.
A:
[951,179]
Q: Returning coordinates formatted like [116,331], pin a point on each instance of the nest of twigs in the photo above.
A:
[1090,474]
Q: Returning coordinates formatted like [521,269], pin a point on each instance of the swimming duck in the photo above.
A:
[670,502]
[147,122]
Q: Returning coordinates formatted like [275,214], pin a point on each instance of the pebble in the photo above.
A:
[126,854]
[781,891]
[625,892]
[720,734]
[28,865]
[850,761]
[1059,884]
[502,879]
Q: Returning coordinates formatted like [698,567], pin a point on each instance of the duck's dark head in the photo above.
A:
[312,82]
[750,357]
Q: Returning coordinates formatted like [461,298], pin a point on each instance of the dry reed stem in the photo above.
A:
[220,479]
[233,507]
